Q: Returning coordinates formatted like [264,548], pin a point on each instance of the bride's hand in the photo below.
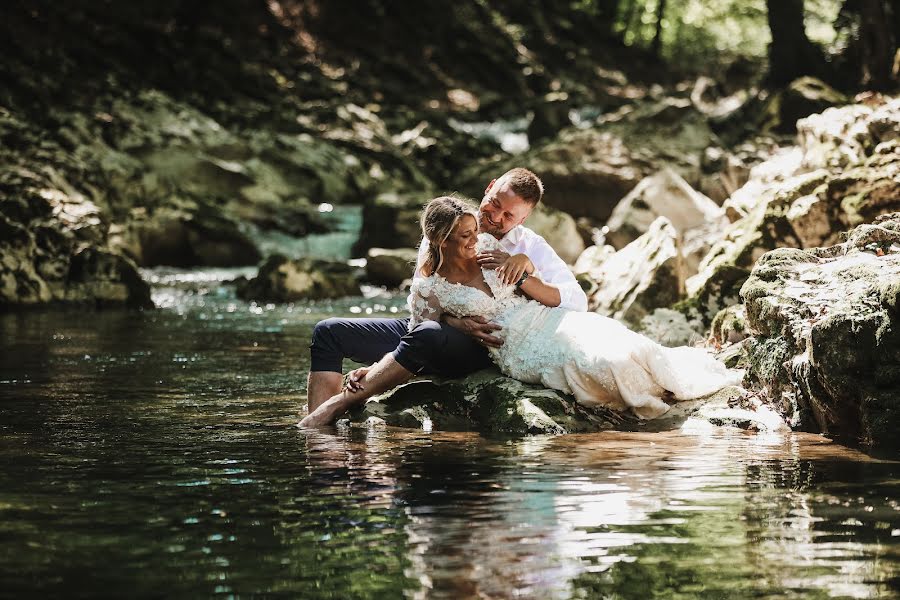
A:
[491,259]
[511,271]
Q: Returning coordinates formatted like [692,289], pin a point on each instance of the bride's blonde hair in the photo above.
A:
[438,220]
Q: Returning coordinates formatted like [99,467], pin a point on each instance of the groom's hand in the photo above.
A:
[478,328]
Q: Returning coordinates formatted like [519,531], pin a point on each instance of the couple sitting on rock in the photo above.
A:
[488,290]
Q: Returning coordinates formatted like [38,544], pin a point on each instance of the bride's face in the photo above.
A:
[461,241]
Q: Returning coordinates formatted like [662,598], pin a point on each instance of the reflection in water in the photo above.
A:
[156,454]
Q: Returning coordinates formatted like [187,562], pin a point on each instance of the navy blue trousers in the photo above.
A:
[431,348]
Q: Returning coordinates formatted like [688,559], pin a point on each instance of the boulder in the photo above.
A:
[281,279]
[826,345]
[644,275]
[53,246]
[672,328]
[587,171]
[186,237]
[559,230]
[803,211]
[490,402]
[803,97]
[664,194]
[390,267]
[391,220]
[729,326]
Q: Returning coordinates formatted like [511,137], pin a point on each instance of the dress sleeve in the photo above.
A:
[424,303]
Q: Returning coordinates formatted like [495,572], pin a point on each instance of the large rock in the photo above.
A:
[804,97]
[664,194]
[54,246]
[391,220]
[827,343]
[645,275]
[390,267]
[804,198]
[587,171]
[559,230]
[196,236]
[487,401]
[281,279]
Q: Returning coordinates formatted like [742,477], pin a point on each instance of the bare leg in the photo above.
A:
[384,375]
[320,386]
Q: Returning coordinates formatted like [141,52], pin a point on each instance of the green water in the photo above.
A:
[155,454]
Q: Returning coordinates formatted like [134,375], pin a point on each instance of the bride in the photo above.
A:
[594,358]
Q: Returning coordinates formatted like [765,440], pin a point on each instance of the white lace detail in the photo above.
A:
[595,358]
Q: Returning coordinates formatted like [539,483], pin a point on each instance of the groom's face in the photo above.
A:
[501,210]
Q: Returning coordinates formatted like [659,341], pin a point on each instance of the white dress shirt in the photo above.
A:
[549,267]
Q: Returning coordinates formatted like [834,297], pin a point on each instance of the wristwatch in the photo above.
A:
[522,279]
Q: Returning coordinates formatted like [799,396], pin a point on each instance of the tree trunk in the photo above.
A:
[791,54]
[656,46]
[878,45]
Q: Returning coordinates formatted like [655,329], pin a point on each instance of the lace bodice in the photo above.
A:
[434,295]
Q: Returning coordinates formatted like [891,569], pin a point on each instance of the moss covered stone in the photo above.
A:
[827,344]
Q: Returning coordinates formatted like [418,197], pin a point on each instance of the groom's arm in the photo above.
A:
[553,272]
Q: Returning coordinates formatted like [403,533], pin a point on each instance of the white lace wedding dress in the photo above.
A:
[595,358]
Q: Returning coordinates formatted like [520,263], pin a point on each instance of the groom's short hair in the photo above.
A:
[524,184]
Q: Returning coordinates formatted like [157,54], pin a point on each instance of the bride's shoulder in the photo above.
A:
[424,285]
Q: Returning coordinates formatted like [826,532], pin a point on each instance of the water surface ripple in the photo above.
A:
[154,454]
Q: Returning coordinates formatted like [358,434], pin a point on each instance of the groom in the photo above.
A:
[453,347]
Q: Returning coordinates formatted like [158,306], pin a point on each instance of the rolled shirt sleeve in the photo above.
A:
[554,271]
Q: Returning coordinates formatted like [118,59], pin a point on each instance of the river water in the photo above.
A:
[155,454]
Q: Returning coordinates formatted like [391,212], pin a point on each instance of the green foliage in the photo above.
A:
[705,34]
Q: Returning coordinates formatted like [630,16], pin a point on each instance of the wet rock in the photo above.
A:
[664,194]
[281,279]
[559,230]
[487,401]
[390,267]
[645,275]
[826,344]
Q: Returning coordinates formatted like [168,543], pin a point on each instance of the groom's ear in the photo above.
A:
[489,186]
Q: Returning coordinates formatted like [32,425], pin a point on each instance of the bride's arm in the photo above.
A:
[424,304]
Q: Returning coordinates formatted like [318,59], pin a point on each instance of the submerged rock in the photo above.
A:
[281,279]
[826,345]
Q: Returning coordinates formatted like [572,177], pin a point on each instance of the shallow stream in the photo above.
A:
[155,454]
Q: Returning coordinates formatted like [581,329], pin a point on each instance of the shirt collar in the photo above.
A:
[514,235]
